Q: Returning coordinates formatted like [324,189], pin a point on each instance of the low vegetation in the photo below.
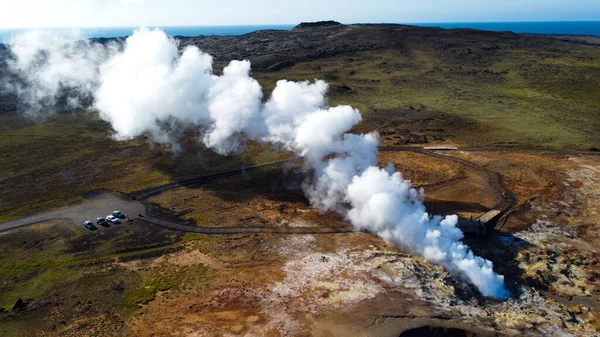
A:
[516,97]
[44,166]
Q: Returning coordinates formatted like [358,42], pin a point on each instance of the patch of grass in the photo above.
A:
[195,237]
[163,283]
[19,270]
[201,219]
[138,297]
[196,276]
[39,286]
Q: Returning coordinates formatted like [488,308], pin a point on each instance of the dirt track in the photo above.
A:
[145,194]
[102,203]
[245,230]
[497,149]
[506,199]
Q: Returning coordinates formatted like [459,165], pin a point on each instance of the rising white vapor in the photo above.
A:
[234,105]
[46,64]
[149,81]
[384,203]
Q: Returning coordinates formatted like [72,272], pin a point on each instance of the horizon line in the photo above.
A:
[295,24]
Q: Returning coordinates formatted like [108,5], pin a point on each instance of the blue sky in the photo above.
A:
[126,13]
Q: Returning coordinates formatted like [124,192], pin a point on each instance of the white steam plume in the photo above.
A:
[149,82]
[46,64]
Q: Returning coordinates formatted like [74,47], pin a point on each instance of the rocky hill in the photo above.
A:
[318,24]
[495,83]
[511,88]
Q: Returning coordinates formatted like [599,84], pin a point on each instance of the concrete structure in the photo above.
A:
[489,216]
[481,225]
[470,226]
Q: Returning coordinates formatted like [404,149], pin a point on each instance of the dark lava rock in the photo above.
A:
[19,306]
[340,89]
[281,65]
[118,287]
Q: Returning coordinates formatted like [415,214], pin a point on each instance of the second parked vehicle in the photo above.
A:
[119,214]
[113,219]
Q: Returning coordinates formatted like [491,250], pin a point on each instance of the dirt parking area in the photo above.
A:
[96,204]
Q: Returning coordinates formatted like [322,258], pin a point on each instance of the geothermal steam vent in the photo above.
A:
[141,84]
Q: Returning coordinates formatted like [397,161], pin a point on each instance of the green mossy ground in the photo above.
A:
[47,165]
[58,270]
[518,96]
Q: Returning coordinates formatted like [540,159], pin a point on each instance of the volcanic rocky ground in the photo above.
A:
[499,97]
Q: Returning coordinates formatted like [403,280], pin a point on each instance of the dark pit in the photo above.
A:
[433,331]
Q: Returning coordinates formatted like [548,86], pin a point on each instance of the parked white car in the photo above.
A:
[112,219]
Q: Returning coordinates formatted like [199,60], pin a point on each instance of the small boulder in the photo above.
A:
[19,305]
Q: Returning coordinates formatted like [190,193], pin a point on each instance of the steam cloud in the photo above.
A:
[47,64]
[145,82]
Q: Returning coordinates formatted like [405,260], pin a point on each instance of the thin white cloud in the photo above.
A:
[106,13]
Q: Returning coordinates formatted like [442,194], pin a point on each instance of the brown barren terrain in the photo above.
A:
[499,97]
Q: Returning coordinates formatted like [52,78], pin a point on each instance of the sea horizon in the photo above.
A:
[591,28]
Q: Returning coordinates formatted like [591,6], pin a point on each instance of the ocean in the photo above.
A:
[576,28]
[5,34]
[557,28]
